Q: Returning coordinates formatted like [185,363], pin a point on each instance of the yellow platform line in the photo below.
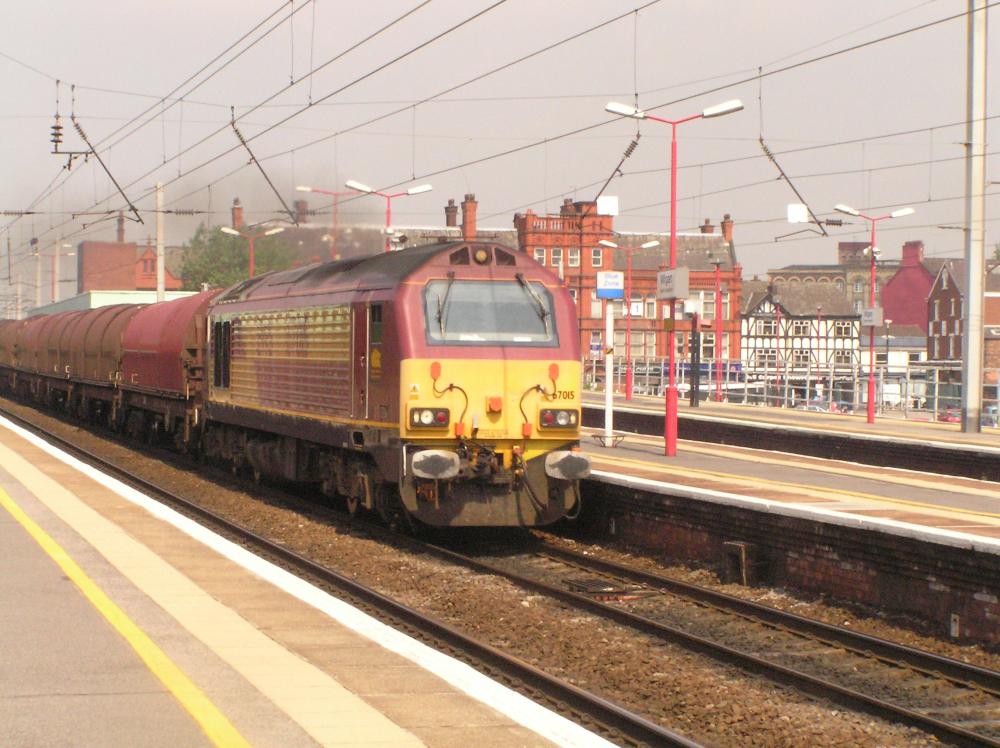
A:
[215,725]
[787,487]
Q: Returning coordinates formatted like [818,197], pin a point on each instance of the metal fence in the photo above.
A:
[921,392]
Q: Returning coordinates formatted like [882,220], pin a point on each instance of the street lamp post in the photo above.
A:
[336,205]
[718,330]
[873,253]
[251,238]
[358,187]
[628,301]
[670,405]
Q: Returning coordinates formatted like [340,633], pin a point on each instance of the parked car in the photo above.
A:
[951,415]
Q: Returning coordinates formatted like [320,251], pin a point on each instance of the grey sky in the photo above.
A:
[674,52]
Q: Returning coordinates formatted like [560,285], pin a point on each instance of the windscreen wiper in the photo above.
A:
[542,311]
[442,300]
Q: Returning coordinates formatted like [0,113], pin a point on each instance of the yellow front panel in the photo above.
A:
[506,385]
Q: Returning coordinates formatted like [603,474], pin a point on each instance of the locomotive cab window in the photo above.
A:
[466,312]
[221,345]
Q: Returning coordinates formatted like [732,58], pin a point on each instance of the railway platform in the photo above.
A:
[125,624]
[901,540]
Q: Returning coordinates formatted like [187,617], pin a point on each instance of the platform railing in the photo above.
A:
[925,392]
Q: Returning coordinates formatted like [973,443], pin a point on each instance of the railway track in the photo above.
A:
[955,702]
[612,721]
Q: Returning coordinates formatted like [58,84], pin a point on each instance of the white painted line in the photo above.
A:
[844,519]
[518,708]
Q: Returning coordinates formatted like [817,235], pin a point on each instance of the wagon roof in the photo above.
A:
[384,270]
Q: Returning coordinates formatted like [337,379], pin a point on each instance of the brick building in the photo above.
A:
[121,265]
[946,311]
[569,243]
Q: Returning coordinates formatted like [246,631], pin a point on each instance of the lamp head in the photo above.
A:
[358,186]
[418,189]
[606,243]
[624,110]
[902,212]
[227,230]
[303,188]
[648,245]
[846,209]
[275,230]
[726,107]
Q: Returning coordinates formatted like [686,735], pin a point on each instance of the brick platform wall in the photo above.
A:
[893,573]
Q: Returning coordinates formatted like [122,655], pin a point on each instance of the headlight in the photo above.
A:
[429,418]
[558,419]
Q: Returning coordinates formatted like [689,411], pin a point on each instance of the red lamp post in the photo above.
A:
[718,330]
[336,204]
[358,187]
[628,302]
[670,405]
[251,238]
[873,253]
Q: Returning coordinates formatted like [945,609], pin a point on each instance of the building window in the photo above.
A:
[573,295]
[881,358]
[936,309]
[765,356]
[800,327]
[636,306]
[858,286]
[800,356]
[595,305]
[857,307]
[651,307]
[842,357]
[843,329]
[556,256]
[573,257]
[597,257]
[540,255]
[913,358]
[766,327]
[944,281]
[708,346]
[952,313]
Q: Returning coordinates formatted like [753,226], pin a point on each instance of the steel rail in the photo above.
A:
[954,734]
[589,709]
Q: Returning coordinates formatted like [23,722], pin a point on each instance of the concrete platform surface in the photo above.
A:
[123,624]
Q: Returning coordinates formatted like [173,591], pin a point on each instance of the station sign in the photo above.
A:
[610,284]
[672,284]
[871,316]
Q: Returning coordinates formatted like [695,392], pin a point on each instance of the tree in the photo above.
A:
[221,260]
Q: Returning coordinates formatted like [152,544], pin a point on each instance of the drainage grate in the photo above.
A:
[606,590]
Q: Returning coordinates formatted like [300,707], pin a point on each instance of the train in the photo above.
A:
[437,385]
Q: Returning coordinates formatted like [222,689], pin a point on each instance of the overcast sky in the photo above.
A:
[877,127]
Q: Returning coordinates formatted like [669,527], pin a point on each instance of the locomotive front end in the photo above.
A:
[490,397]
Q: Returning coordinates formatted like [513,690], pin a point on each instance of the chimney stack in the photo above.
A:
[469,206]
[120,235]
[727,228]
[237,217]
[301,211]
[913,253]
[451,213]
[707,228]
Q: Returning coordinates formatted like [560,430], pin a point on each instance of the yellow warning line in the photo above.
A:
[816,491]
[215,725]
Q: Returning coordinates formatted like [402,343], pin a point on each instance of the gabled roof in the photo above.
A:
[800,299]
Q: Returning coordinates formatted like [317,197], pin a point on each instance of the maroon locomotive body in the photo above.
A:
[438,384]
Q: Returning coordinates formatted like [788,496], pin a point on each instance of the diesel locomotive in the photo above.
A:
[438,384]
